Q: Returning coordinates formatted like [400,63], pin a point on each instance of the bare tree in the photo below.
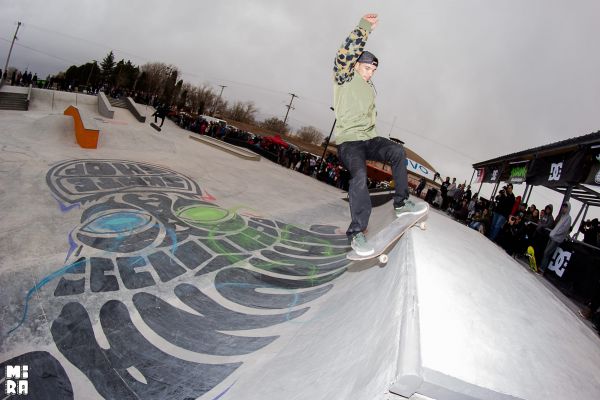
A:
[243,112]
[157,76]
[201,98]
[310,134]
[275,124]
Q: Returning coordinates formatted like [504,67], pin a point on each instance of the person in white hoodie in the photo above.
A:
[558,234]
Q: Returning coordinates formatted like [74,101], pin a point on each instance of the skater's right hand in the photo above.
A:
[372,19]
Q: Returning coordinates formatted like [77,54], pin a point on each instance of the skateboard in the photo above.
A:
[152,124]
[531,255]
[382,240]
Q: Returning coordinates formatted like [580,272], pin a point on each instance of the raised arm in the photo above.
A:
[352,48]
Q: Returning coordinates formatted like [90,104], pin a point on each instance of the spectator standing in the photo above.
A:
[505,201]
[557,235]
[590,231]
[420,187]
[468,193]
[444,192]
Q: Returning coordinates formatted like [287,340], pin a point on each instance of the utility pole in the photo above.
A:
[289,106]
[218,99]
[11,47]
[90,75]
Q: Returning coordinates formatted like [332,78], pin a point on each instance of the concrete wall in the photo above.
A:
[58,101]
[104,107]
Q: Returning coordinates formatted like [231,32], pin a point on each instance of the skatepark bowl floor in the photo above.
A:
[160,267]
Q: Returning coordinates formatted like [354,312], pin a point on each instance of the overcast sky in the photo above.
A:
[459,81]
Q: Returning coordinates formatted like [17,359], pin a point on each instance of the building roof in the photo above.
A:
[578,191]
[562,147]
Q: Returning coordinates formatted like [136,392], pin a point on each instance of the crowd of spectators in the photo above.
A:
[329,169]
[18,78]
[511,223]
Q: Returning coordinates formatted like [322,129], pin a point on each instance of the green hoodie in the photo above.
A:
[353,97]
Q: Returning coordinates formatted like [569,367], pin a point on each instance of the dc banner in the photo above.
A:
[560,261]
[518,174]
[594,175]
[577,263]
[558,170]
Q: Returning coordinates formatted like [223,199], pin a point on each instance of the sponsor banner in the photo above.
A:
[558,170]
[419,169]
[479,175]
[594,175]
[518,174]
[560,261]
[492,174]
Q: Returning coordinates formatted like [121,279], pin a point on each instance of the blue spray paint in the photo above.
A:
[43,282]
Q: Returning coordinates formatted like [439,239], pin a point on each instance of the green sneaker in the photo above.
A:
[406,207]
[361,246]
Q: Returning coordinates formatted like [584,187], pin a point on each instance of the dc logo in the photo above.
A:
[560,261]
[494,175]
[555,171]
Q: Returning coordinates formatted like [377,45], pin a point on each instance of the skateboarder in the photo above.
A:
[356,136]
[161,112]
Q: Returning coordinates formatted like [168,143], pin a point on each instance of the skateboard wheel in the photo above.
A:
[423,225]
[383,258]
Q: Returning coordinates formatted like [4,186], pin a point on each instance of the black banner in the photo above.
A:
[558,170]
[594,175]
[492,174]
[579,264]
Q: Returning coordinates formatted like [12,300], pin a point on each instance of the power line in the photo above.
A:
[41,52]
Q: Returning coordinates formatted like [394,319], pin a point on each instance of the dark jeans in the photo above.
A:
[354,156]
[548,253]
[162,119]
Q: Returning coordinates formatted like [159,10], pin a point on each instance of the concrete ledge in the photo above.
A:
[409,378]
[86,131]
[236,151]
[132,106]
[104,107]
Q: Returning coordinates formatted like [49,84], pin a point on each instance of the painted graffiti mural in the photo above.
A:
[158,279]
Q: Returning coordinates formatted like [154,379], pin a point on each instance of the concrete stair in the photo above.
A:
[13,101]
[120,103]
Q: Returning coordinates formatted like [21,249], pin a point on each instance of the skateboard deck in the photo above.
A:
[152,124]
[383,239]
[531,255]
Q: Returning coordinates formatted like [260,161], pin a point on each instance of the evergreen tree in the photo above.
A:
[108,66]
